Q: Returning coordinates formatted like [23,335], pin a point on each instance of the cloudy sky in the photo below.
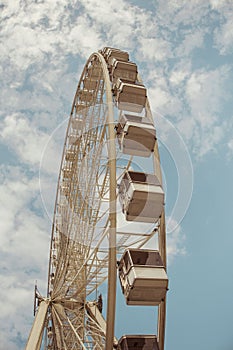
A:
[184,50]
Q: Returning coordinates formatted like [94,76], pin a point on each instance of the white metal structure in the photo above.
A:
[86,242]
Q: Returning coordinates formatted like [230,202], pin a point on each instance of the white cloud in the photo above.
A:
[23,137]
[195,100]
[217,3]
[37,31]
[154,49]
[159,97]
[175,242]
[24,242]
[178,76]
[230,149]
[180,12]
[193,39]
[118,23]
[19,197]
[205,94]
[224,36]
[230,145]
[16,298]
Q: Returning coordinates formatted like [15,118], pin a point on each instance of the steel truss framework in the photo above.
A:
[85,240]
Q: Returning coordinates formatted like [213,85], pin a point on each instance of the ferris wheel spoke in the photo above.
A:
[88,264]
[56,338]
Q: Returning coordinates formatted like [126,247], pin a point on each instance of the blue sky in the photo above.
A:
[184,51]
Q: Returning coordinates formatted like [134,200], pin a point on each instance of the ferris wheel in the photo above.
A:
[109,219]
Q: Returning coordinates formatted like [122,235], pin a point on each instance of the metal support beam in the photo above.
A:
[35,336]
[94,312]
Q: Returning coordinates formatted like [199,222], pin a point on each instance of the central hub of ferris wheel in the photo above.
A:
[103,200]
